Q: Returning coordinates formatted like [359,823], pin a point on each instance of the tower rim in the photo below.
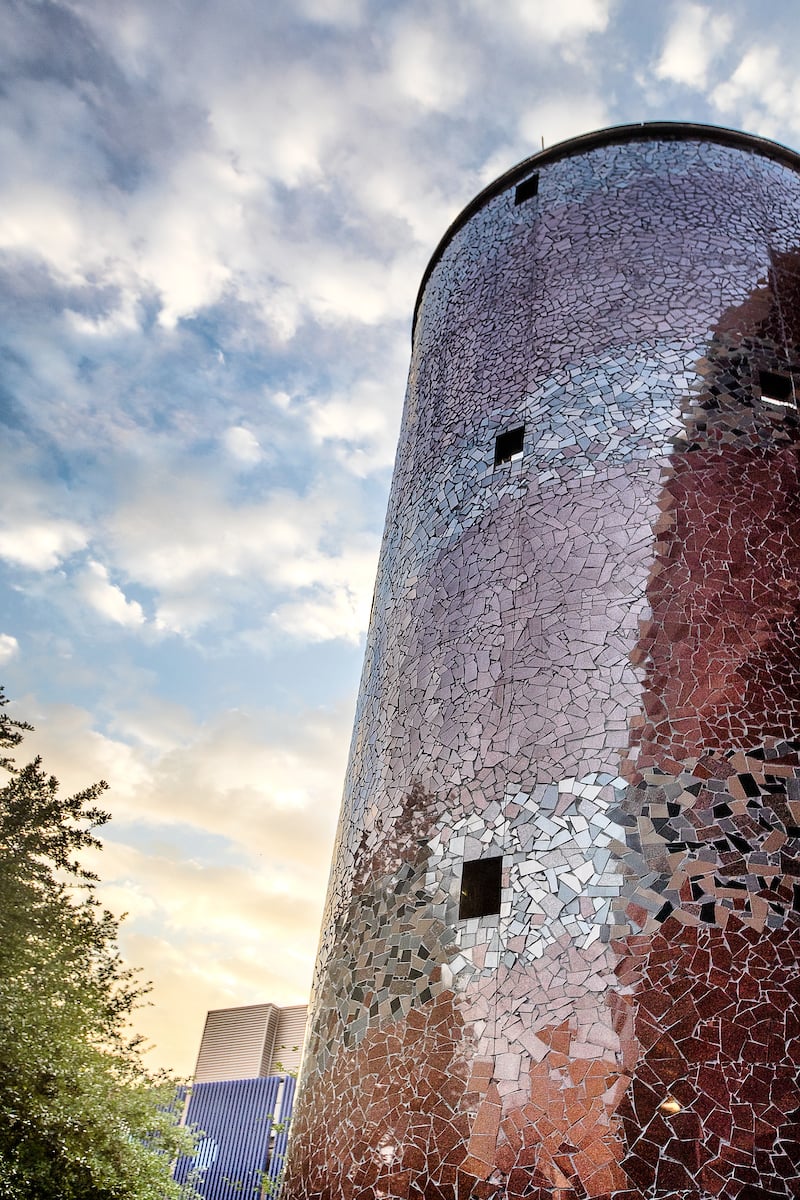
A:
[611,135]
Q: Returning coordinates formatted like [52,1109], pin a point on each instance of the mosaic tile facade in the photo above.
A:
[584,660]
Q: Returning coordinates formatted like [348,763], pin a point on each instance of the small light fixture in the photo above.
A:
[670,1106]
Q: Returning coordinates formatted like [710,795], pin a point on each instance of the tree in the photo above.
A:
[81,1118]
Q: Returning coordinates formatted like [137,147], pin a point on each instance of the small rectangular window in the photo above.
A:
[776,388]
[508,445]
[481,885]
[527,189]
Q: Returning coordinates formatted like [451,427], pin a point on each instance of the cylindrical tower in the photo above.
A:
[561,944]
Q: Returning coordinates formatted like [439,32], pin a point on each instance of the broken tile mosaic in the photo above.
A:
[583,660]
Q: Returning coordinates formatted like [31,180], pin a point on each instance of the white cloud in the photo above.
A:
[41,216]
[763,92]
[207,224]
[254,779]
[39,543]
[208,935]
[562,117]
[340,613]
[238,903]
[305,120]
[360,291]
[334,12]
[107,598]
[361,421]
[544,22]
[242,445]
[401,188]
[180,535]
[186,613]
[78,754]
[695,37]
[124,318]
[187,227]
[337,129]
[9,647]
[428,67]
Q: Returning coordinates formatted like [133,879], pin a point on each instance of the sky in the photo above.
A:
[214,216]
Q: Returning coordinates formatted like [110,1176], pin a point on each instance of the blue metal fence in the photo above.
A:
[244,1125]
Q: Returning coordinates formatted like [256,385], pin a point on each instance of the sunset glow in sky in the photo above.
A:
[214,217]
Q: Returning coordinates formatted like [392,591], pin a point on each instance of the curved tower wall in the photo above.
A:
[585,661]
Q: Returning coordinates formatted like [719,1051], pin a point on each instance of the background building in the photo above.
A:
[257,1039]
[560,950]
[242,1099]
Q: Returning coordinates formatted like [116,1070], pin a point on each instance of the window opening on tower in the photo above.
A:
[481,886]
[527,189]
[776,388]
[508,445]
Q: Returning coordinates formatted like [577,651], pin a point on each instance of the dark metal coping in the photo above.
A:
[646,131]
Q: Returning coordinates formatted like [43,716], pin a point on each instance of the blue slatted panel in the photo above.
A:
[236,1117]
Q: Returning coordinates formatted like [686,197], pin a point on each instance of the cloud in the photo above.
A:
[9,647]
[763,91]
[251,778]
[79,754]
[204,554]
[40,544]
[339,613]
[211,935]
[31,534]
[292,149]
[559,118]
[204,226]
[695,37]
[242,445]
[251,172]
[360,421]
[34,532]
[107,599]
[544,23]
[427,67]
[334,12]
[243,903]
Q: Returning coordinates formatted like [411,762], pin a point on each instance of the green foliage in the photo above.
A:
[279,1067]
[80,1116]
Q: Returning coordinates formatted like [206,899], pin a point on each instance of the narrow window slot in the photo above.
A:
[776,388]
[481,886]
[527,189]
[508,445]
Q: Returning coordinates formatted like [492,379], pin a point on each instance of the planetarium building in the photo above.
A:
[560,951]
